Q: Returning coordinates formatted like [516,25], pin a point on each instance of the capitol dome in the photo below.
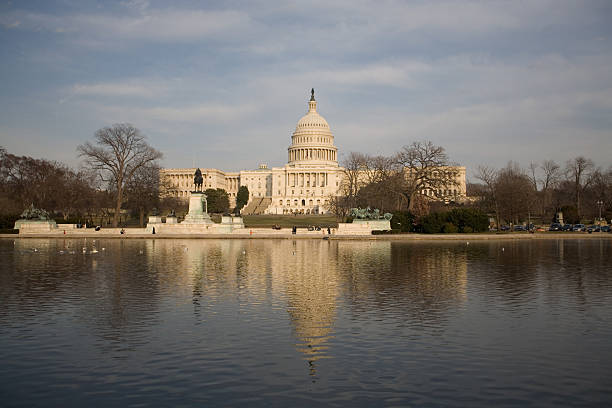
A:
[312,143]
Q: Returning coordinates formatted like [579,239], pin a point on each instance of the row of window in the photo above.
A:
[303,202]
[439,192]
[305,139]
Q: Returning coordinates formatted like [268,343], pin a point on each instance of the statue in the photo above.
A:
[198,180]
[369,214]
[312,94]
[32,213]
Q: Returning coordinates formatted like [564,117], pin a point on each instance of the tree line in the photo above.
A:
[120,178]
[579,190]
[405,181]
[119,181]
[419,181]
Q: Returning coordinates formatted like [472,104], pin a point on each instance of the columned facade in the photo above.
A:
[303,186]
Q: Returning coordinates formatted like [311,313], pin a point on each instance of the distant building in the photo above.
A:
[304,185]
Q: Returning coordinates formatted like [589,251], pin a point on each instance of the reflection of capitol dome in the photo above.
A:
[312,142]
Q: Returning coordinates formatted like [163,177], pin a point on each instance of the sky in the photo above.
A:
[223,84]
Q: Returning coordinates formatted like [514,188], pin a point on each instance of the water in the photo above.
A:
[305,323]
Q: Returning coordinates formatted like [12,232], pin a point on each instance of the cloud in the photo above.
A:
[118,89]
[202,113]
[166,25]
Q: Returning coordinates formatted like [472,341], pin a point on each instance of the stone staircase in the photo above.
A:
[257,206]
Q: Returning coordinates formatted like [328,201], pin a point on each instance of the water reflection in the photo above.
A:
[407,318]
[302,274]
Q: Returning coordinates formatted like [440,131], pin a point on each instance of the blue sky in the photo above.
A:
[222,84]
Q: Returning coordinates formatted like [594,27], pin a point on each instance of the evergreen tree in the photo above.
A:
[218,200]
[241,198]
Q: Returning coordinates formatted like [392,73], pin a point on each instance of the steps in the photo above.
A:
[257,206]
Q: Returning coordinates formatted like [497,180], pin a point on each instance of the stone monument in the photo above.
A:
[372,218]
[171,218]
[198,206]
[155,218]
[34,220]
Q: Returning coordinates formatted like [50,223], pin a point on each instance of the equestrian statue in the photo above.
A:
[198,180]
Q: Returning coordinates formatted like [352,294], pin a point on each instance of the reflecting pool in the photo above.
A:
[137,322]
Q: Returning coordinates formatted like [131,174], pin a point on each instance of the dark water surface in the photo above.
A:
[305,323]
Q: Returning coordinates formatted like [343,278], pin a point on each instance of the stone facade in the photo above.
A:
[304,185]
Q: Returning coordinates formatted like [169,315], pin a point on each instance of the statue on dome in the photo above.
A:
[198,180]
[312,94]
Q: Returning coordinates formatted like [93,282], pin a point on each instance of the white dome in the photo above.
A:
[312,121]
[312,143]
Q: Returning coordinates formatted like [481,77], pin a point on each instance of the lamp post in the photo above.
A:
[599,204]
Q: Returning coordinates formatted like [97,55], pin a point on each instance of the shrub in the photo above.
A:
[468,219]
[449,228]
[464,220]
[402,221]
[433,223]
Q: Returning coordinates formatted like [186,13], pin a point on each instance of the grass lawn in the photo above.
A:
[288,221]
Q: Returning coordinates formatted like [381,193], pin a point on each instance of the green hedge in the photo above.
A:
[402,221]
[7,221]
[462,220]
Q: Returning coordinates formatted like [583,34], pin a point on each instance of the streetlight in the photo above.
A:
[600,204]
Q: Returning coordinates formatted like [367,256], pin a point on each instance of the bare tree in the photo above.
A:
[514,192]
[143,191]
[119,151]
[578,171]
[426,169]
[550,179]
[351,181]
[489,175]
[533,175]
[552,174]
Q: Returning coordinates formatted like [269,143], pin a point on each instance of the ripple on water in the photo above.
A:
[302,323]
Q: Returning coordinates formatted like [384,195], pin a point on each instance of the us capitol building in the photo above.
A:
[304,185]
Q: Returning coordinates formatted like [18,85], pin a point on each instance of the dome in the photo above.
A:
[312,143]
[312,121]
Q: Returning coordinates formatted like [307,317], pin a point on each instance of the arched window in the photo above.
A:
[303,202]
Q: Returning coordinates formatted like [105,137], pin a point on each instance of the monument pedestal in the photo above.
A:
[35,226]
[197,212]
[375,225]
